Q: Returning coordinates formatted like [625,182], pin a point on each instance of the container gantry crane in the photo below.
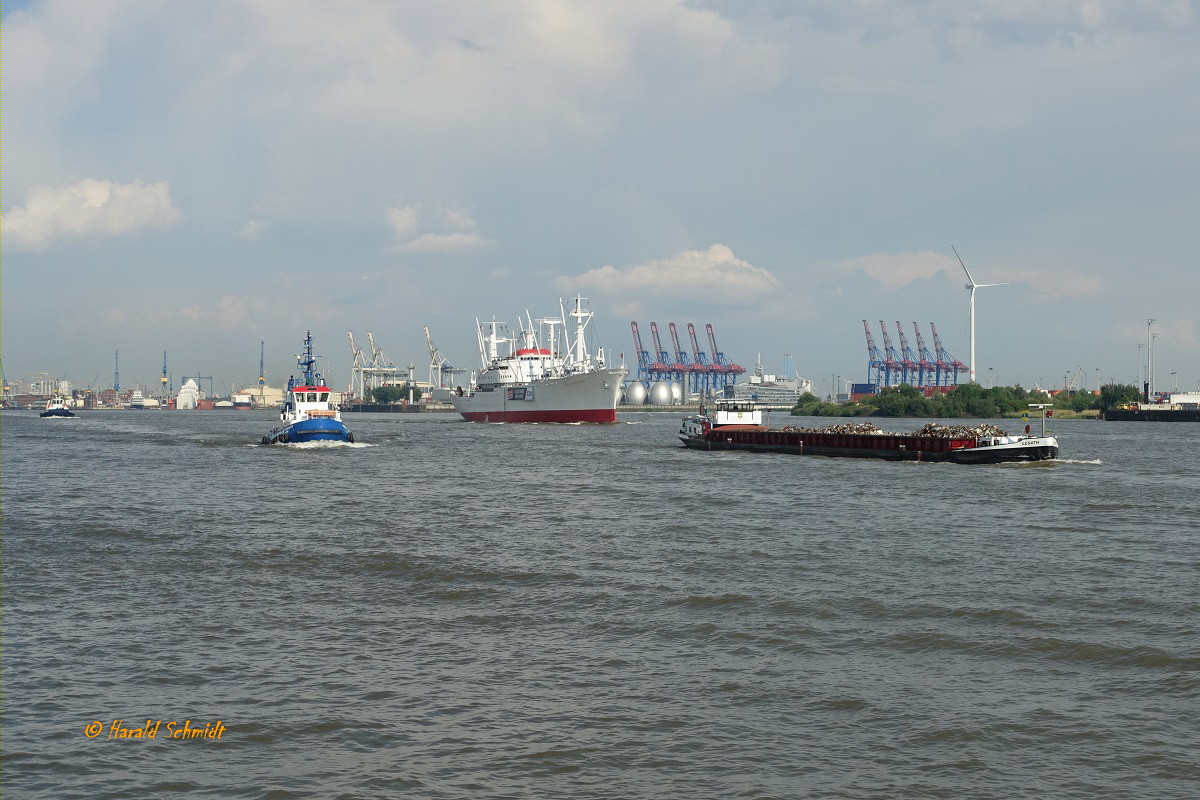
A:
[875,359]
[909,360]
[892,366]
[645,362]
[926,359]
[684,362]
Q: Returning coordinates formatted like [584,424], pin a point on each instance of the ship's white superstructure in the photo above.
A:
[541,374]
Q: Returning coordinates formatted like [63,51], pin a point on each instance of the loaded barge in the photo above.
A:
[739,426]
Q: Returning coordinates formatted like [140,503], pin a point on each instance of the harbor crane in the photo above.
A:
[707,382]
[357,375]
[926,359]
[687,368]
[909,360]
[645,362]
[439,366]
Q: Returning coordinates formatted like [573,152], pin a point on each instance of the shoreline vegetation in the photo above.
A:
[969,400]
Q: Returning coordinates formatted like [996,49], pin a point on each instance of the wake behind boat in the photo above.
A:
[308,413]
[56,406]
[542,377]
[739,426]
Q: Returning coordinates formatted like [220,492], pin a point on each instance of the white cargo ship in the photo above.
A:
[542,377]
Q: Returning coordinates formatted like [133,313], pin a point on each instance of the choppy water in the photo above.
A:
[456,610]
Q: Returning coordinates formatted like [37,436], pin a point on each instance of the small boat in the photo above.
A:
[308,413]
[739,426]
[57,407]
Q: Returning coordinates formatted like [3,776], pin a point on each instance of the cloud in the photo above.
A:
[252,229]
[88,208]
[446,243]
[402,221]
[714,274]
[1049,287]
[896,270]
[460,231]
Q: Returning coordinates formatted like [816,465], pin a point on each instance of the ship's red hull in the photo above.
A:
[600,415]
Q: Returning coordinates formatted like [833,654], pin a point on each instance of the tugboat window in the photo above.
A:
[324,396]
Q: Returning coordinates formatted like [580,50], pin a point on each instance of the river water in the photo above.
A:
[449,610]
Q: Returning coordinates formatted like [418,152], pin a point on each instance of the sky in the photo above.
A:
[199,177]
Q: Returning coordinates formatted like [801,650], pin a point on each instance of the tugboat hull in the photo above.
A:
[310,430]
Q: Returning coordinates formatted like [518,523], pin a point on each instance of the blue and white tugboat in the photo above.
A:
[56,406]
[308,413]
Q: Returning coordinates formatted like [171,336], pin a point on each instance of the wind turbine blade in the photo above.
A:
[964,266]
[1005,283]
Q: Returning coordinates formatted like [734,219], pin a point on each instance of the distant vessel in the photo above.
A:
[536,381]
[766,389]
[188,397]
[241,400]
[1178,407]
[308,414]
[738,426]
[137,400]
[56,406]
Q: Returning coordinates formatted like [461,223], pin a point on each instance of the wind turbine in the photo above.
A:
[971,287]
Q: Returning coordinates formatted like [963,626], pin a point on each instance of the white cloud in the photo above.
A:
[88,208]
[402,221]
[446,243]
[715,275]
[252,229]
[461,231]
[896,270]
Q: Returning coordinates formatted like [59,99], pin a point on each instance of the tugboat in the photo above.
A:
[57,407]
[739,426]
[308,414]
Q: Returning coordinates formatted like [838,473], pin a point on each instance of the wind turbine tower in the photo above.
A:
[971,287]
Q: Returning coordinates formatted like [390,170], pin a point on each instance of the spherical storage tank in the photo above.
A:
[635,393]
[660,393]
[676,393]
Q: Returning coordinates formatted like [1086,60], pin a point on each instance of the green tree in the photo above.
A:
[1118,394]
[901,401]
[387,395]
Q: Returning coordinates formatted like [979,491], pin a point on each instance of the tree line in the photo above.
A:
[387,395]
[967,400]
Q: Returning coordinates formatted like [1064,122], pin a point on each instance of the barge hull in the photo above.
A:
[898,448]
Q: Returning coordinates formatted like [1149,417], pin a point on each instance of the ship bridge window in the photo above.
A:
[312,397]
[324,397]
